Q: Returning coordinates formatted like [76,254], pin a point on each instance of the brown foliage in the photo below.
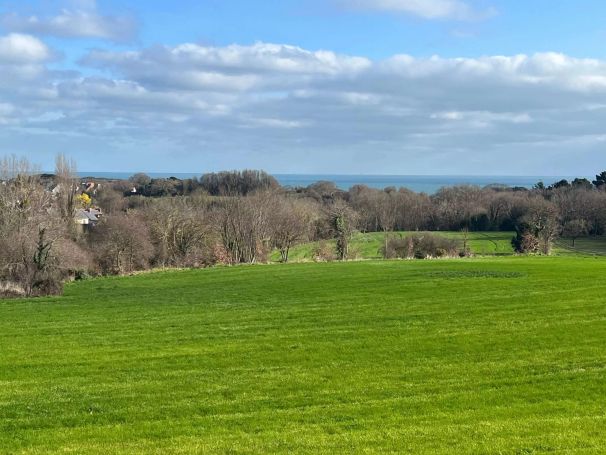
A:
[291,222]
[122,244]
[419,246]
[244,226]
[180,233]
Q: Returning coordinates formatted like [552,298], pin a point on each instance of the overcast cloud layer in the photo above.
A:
[289,109]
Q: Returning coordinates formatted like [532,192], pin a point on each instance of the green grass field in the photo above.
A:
[368,245]
[491,355]
[589,246]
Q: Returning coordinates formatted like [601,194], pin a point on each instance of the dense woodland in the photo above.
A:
[241,216]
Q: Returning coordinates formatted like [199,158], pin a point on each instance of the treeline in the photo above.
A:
[232,183]
[242,217]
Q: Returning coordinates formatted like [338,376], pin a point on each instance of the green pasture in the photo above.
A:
[588,246]
[490,355]
[368,245]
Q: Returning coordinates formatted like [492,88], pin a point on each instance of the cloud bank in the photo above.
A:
[290,109]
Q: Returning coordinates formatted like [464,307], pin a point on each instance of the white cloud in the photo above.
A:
[482,119]
[83,22]
[232,67]
[272,123]
[427,9]
[284,106]
[19,48]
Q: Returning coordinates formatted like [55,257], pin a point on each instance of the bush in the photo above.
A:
[11,290]
[36,263]
[82,275]
[526,243]
[323,252]
[419,246]
[49,284]
[122,244]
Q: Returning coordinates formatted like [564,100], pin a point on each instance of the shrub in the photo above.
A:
[122,244]
[419,246]
[527,243]
[82,275]
[323,252]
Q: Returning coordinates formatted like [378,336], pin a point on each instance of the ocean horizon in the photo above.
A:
[419,183]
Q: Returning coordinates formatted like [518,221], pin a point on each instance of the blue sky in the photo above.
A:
[307,86]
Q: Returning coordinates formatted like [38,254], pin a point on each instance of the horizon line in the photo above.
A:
[91,174]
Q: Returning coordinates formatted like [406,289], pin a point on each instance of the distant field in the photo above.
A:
[595,246]
[490,355]
[368,245]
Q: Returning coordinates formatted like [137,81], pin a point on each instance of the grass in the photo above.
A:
[368,245]
[491,355]
[590,246]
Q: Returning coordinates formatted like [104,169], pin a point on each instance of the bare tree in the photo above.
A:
[21,195]
[366,202]
[179,231]
[111,200]
[414,210]
[67,185]
[34,242]
[388,210]
[457,206]
[574,229]
[291,222]
[499,207]
[122,244]
[244,225]
[28,230]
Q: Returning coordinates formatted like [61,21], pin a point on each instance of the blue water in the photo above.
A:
[419,183]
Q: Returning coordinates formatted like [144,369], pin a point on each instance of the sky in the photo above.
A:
[485,87]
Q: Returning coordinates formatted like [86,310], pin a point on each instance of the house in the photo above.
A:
[56,190]
[87,218]
[90,187]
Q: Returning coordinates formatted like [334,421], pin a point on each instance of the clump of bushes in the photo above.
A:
[9,289]
[526,243]
[419,246]
[323,252]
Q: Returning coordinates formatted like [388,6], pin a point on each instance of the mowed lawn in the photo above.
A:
[501,355]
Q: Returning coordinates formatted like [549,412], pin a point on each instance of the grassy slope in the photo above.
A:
[368,245]
[463,356]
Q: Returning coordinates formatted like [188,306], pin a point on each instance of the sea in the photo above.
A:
[419,183]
